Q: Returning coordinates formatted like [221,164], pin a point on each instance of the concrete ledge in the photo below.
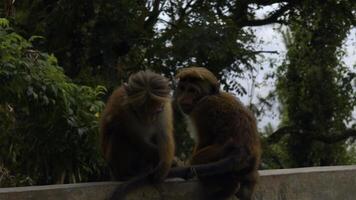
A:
[316,183]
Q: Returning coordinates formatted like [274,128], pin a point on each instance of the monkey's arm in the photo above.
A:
[107,130]
[166,154]
[165,142]
[156,174]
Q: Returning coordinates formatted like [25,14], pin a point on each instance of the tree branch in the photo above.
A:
[279,133]
[268,2]
[335,137]
[153,16]
[271,52]
[9,8]
[272,18]
[330,138]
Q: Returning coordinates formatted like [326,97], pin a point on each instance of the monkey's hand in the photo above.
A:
[160,172]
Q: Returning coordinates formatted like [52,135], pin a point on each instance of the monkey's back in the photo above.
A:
[222,117]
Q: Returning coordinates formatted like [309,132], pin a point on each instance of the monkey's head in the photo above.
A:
[147,94]
[194,83]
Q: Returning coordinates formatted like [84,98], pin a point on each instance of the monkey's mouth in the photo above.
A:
[186,108]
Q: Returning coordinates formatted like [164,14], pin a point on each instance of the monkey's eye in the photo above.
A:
[193,90]
[181,87]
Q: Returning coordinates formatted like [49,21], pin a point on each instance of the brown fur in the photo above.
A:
[199,73]
[135,140]
[223,127]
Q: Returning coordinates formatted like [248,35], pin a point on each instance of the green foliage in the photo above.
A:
[48,124]
[12,180]
[314,86]
[90,38]
[4,22]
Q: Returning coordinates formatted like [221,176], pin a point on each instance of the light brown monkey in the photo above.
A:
[136,130]
[221,127]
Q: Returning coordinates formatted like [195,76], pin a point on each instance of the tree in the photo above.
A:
[49,125]
[104,41]
[314,86]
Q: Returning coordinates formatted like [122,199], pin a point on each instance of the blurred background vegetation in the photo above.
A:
[60,60]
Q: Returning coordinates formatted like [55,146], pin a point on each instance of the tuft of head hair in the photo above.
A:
[147,85]
[198,73]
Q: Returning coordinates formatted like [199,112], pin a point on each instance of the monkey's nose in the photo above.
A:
[158,110]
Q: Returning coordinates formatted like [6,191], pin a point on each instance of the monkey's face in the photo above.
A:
[154,108]
[150,111]
[189,93]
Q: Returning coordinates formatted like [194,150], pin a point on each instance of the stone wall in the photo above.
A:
[315,183]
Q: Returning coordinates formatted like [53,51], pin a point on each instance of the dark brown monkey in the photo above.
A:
[221,127]
[136,129]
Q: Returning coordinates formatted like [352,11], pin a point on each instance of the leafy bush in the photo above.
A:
[48,124]
[9,180]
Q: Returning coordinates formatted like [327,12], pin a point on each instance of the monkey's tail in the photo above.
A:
[123,189]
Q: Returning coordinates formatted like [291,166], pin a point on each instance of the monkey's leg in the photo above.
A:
[231,163]
[244,194]
[208,154]
[216,152]
[247,187]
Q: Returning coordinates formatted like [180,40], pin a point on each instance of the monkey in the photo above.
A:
[221,127]
[136,131]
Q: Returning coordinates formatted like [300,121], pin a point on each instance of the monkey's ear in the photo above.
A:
[173,84]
